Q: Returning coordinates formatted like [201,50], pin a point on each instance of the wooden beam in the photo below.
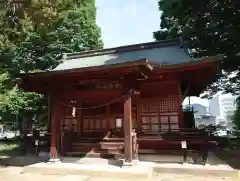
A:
[128,130]
[91,94]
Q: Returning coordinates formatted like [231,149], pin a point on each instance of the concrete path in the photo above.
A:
[180,177]
[15,173]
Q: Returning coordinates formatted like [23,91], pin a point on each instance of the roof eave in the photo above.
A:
[140,62]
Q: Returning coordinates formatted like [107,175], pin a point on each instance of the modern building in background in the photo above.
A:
[223,107]
[216,111]
[205,120]
[199,110]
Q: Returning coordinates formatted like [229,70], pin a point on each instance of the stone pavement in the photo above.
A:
[15,173]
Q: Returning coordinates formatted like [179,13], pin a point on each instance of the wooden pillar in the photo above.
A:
[128,130]
[81,123]
[59,110]
[108,117]
[79,115]
[49,113]
[139,121]
[181,120]
[54,131]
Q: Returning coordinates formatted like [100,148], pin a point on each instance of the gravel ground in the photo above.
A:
[15,173]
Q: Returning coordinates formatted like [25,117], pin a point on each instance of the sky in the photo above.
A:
[125,22]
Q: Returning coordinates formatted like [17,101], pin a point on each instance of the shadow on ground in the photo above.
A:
[229,156]
[21,161]
[11,155]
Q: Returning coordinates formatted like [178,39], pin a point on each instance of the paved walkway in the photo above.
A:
[15,173]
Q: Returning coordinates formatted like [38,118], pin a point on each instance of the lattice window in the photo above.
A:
[168,105]
[159,114]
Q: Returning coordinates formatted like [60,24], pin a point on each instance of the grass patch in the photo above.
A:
[9,148]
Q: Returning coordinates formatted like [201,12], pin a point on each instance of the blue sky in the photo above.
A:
[125,22]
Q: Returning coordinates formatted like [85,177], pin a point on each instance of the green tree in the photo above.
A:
[236,117]
[208,28]
[42,33]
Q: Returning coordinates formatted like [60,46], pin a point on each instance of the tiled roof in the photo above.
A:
[167,52]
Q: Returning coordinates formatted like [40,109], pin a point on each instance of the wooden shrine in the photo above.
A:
[123,101]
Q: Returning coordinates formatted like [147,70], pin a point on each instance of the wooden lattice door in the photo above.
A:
[68,122]
[94,122]
[159,114]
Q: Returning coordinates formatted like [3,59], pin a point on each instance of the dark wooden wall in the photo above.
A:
[156,109]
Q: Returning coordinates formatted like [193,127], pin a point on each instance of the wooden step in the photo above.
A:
[99,145]
[95,140]
[87,149]
[116,155]
[97,148]
[167,152]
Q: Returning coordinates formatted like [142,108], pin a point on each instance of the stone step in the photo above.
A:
[138,172]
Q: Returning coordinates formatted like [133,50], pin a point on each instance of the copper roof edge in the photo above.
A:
[137,62]
[126,48]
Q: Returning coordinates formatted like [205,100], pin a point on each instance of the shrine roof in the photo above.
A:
[168,52]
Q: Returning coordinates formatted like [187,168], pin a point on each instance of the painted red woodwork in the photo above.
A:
[161,144]
[159,88]
[108,116]
[128,130]
[181,121]
[114,72]
[139,122]
[159,114]
[54,130]
[79,119]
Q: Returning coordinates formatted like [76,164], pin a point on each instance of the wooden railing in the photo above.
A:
[176,134]
[195,139]
[34,143]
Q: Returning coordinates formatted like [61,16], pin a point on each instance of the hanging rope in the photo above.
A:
[103,105]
